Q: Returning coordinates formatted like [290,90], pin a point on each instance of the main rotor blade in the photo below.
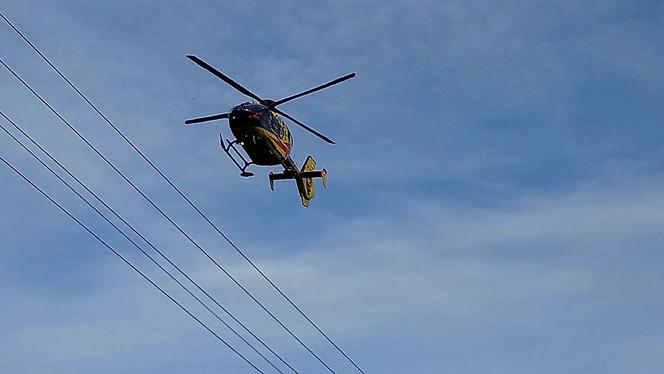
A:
[215,117]
[305,126]
[224,78]
[307,92]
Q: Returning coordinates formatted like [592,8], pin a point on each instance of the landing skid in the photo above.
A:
[227,149]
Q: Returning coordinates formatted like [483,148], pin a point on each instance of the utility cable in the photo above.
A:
[75,178]
[87,142]
[194,206]
[116,253]
[125,235]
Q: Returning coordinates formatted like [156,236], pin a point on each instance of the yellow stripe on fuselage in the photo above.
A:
[283,147]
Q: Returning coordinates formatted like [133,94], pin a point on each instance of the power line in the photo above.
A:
[141,236]
[126,179]
[133,242]
[194,206]
[128,263]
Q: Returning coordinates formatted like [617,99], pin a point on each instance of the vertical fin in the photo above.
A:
[323,177]
[306,185]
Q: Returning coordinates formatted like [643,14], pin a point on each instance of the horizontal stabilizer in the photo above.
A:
[303,178]
[316,174]
[279,176]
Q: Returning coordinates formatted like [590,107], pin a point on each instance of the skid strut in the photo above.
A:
[227,149]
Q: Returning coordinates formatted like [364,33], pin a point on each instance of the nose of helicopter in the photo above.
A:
[244,117]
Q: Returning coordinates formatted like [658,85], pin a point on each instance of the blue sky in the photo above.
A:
[495,196]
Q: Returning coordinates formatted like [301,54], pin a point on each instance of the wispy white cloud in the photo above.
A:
[486,199]
[432,271]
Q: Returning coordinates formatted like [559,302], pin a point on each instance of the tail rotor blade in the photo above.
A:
[225,78]
[215,117]
[325,138]
[307,92]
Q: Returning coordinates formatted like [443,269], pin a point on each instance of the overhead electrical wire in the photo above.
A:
[168,218]
[184,196]
[13,123]
[116,253]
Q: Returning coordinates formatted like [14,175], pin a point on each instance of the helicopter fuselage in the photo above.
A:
[265,138]
[262,134]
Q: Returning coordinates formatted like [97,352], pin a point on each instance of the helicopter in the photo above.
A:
[259,130]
